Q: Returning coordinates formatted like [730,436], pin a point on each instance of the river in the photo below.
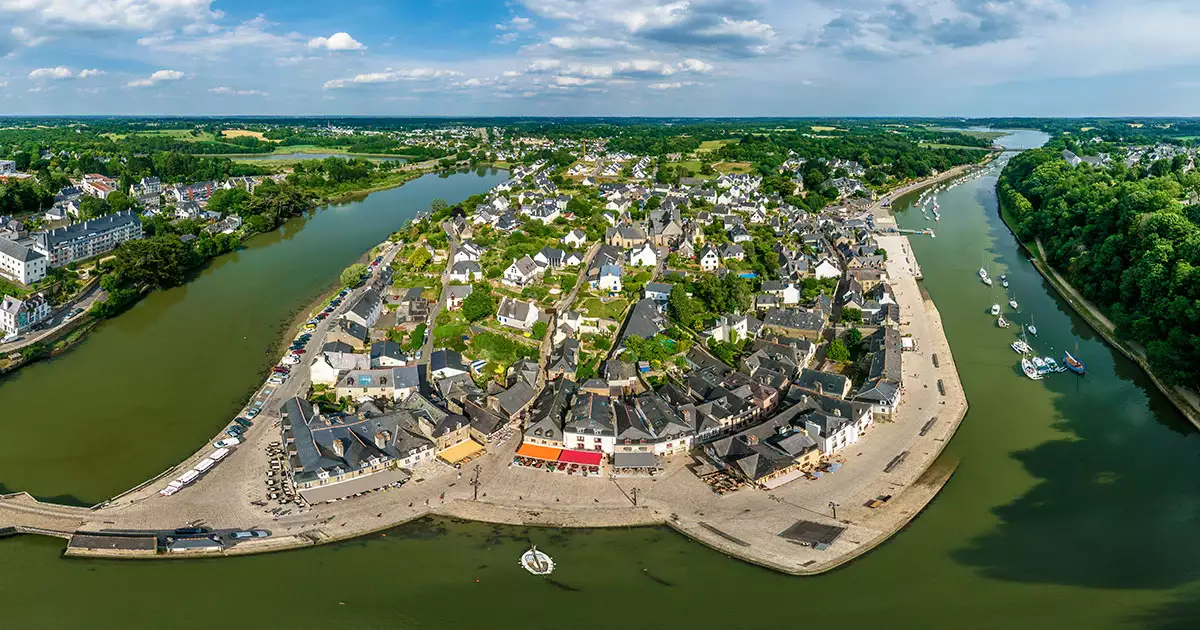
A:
[270,157]
[1074,506]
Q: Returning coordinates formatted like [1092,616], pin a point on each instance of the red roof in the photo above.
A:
[588,458]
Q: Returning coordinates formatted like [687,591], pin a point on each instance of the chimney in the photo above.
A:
[382,439]
[752,439]
[339,448]
[820,389]
[837,412]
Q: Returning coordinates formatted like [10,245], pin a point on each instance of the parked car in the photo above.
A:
[275,380]
[226,443]
[252,413]
[244,422]
[235,431]
[192,531]
[256,533]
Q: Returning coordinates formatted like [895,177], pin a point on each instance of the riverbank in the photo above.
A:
[1187,402]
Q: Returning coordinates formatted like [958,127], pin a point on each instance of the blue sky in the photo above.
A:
[601,57]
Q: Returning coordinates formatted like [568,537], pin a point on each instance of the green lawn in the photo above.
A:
[713,145]
[594,307]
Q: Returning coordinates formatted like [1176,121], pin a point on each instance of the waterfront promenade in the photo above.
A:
[744,524]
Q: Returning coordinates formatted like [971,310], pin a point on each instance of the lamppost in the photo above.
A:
[833,506]
[635,493]
[475,483]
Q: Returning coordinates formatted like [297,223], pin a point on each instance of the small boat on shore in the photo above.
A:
[1020,347]
[1001,322]
[1012,301]
[995,309]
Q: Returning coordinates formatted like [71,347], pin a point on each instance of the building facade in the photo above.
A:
[78,241]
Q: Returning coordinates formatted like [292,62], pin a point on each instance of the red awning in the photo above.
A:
[588,458]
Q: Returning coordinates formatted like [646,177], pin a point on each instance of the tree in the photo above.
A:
[851,314]
[158,262]
[353,274]
[119,202]
[683,309]
[92,207]
[419,258]
[539,330]
[853,338]
[480,305]
[837,352]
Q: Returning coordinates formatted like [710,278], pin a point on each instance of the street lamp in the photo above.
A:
[833,506]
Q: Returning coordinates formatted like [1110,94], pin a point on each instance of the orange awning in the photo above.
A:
[461,451]
[539,452]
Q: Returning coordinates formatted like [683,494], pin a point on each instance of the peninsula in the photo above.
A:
[586,348]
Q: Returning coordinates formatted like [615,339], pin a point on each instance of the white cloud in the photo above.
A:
[83,16]
[91,72]
[586,43]
[215,40]
[24,36]
[57,74]
[695,65]
[391,76]
[518,23]
[156,78]
[232,92]
[336,42]
[670,86]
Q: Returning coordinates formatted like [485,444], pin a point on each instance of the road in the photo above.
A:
[58,319]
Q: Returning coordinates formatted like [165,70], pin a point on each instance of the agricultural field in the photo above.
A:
[709,146]
[733,167]
[243,133]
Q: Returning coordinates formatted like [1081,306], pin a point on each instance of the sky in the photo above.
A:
[601,57]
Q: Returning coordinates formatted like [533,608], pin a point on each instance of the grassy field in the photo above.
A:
[819,128]
[594,307]
[712,145]
[733,167]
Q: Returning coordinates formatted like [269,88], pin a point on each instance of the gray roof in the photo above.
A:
[645,320]
[798,319]
[387,348]
[546,418]
[513,309]
[830,383]
[50,240]
[591,413]
[18,251]
[515,398]
[367,302]
[443,359]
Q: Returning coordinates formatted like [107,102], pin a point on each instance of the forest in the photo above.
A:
[1125,238]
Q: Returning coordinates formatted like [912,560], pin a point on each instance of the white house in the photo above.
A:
[466,271]
[708,259]
[609,279]
[19,316]
[522,272]
[575,239]
[21,263]
[729,325]
[517,314]
[643,256]
[827,269]
[832,432]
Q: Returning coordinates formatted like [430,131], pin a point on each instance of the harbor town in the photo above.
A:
[594,349]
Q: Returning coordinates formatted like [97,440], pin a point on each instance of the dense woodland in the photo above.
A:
[1126,239]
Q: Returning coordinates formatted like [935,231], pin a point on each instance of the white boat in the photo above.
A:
[1031,327]
[205,464]
[169,490]
[1020,347]
[995,309]
[1004,283]
[1028,368]
[219,454]
[1001,322]
[537,562]
[188,477]
[1013,303]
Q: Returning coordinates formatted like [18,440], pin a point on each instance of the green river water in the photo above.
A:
[1075,504]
